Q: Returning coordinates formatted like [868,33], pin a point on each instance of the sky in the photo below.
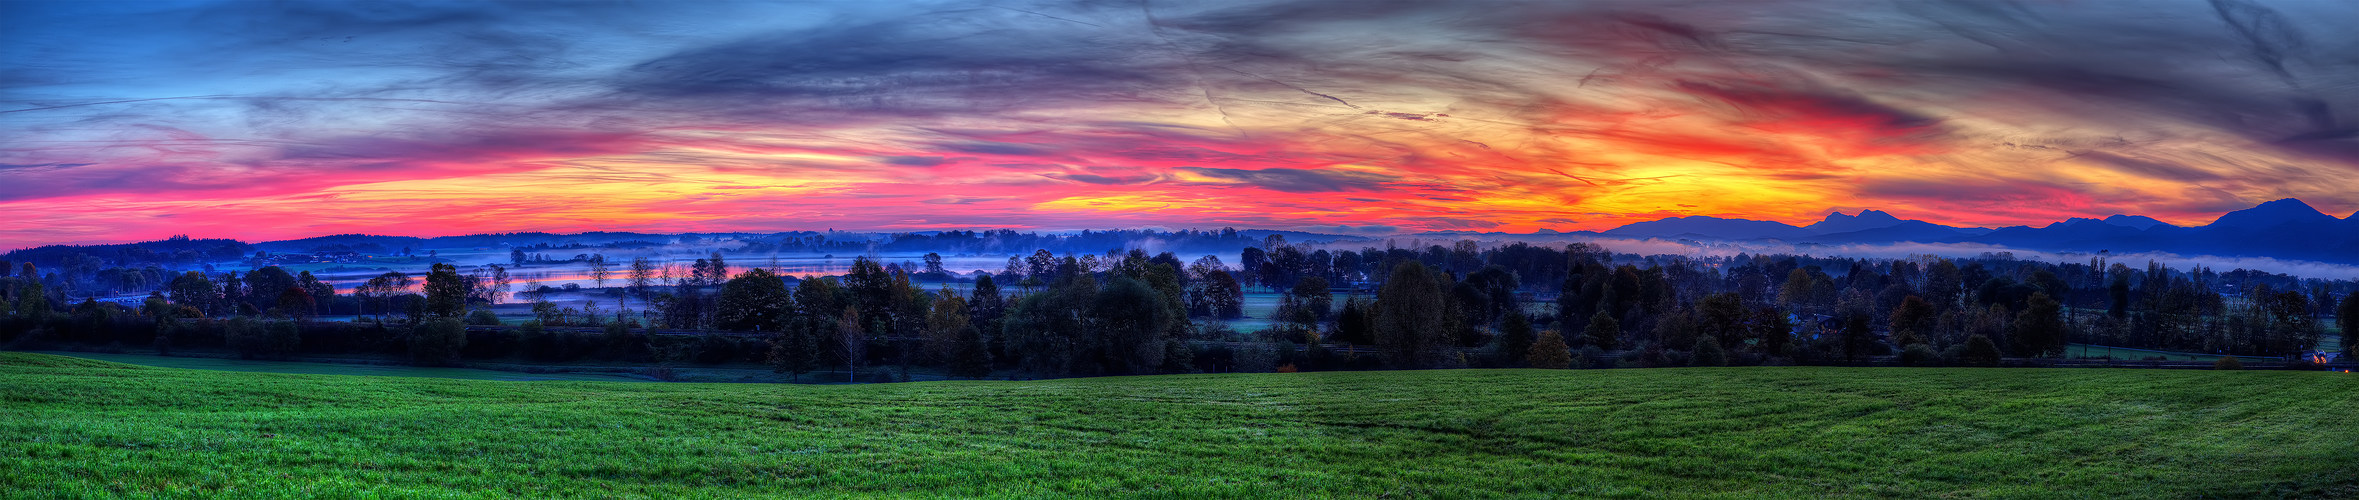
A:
[127,121]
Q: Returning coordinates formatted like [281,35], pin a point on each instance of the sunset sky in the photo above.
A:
[126,121]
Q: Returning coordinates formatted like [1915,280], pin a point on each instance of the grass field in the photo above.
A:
[261,366]
[2090,351]
[75,427]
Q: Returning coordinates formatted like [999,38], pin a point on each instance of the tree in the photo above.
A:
[756,300]
[2346,317]
[446,291]
[1858,337]
[1722,317]
[946,322]
[1980,351]
[1411,326]
[1912,320]
[1224,298]
[193,289]
[516,257]
[499,283]
[599,271]
[794,350]
[1550,351]
[642,274]
[1127,329]
[971,359]
[1603,331]
[1516,337]
[1708,353]
[2040,330]
[293,302]
[2119,291]
[854,341]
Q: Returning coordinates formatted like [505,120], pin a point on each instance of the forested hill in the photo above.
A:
[174,251]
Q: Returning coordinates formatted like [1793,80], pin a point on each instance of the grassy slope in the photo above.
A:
[81,427]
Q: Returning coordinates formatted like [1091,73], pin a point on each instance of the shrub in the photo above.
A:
[1708,353]
[1980,351]
[1549,352]
[483,317]
[437,342]
[272,340]
[2227,363]
[1919,354]
[1257,357]
[539,343]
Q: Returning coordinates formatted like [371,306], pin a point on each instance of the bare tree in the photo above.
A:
[499,283]
[599,270]
[642,275]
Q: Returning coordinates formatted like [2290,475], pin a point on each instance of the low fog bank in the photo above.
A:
[1908,250]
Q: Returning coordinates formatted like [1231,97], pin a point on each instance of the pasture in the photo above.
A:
[77,427]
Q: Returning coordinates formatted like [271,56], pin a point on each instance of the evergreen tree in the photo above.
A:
[1411,326]
[971,359]
[2346,317]
[1516,337]
[1603,331]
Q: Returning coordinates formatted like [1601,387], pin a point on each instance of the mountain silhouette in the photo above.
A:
[2139,222]
[2283,229]
[1837,222]
[1708,227]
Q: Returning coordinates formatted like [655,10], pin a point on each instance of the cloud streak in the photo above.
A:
[130,121]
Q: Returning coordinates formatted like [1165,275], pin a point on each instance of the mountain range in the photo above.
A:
[2284,229]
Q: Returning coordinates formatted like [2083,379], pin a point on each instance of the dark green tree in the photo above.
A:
[2346,317]
[2040,329]
[1411,325]
[1549,351]
[755,301]
[1980,351]
[1516,337]
[1707,352]
[971,359]
[446,291]
[1603,331]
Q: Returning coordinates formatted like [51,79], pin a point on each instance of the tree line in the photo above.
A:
[1130,312]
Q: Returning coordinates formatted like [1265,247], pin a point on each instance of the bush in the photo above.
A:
[437,342]
[2227,363]
[1588,358]
[483,317]
[1549,352]
[1919,354]
[1980,351]
[539,344]
[1256,357]
[1708,353]
[273,340]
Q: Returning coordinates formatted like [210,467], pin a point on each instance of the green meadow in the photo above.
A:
[74,427]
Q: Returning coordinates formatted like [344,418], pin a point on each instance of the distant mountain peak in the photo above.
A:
[2139,222]
[1838,222]
[2285,211]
